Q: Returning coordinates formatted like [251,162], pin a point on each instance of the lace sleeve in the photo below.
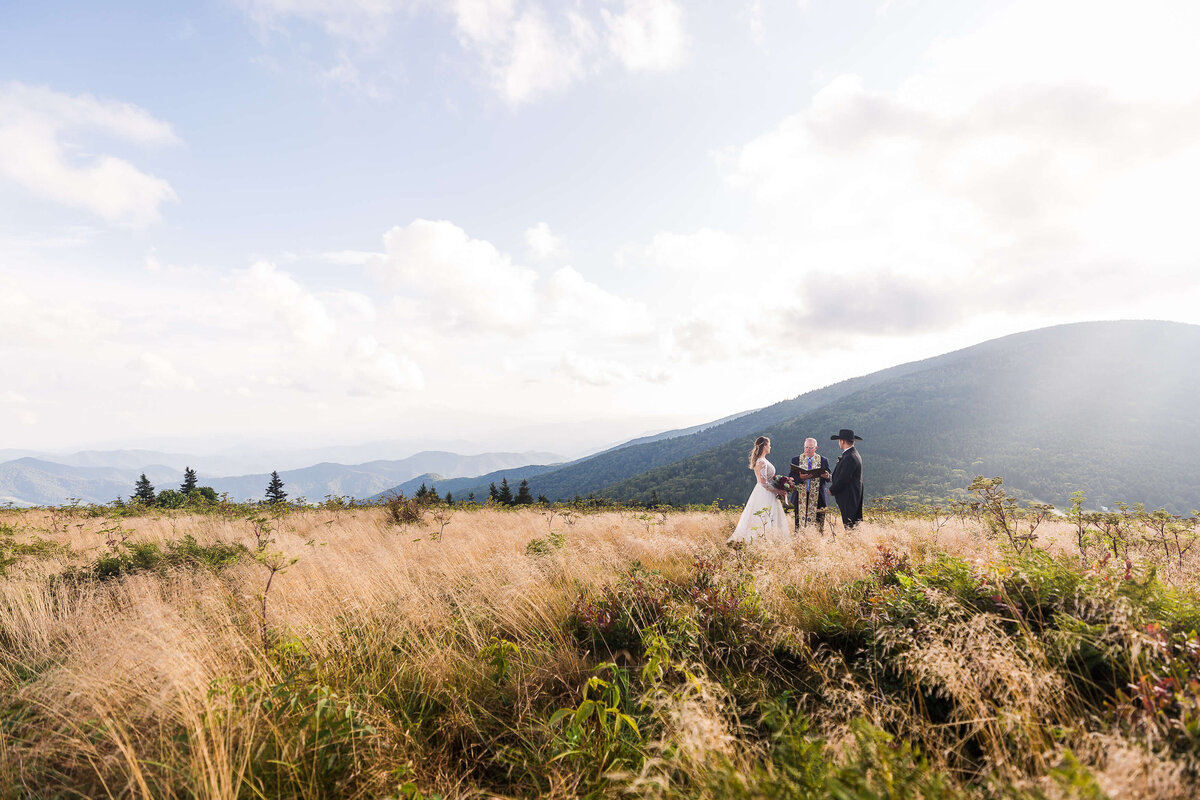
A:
[760,472]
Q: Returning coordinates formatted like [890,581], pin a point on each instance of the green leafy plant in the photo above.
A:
[500,654]
[597,730]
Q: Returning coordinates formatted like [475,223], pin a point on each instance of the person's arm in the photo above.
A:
[763,480]
[837,480]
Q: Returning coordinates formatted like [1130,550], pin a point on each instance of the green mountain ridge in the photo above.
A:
[594,474]
[1104,407]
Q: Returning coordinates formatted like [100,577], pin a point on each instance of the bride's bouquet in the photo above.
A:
[784,483]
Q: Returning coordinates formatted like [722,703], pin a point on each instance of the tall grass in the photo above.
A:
[900,659]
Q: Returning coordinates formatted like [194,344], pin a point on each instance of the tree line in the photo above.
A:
[190,492]
[501,495]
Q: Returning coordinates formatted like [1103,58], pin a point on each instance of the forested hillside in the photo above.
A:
[1106,408]
[593,474]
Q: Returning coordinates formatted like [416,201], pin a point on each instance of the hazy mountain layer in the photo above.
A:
[30,481]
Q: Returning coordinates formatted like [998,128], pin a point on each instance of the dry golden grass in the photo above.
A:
[125,685]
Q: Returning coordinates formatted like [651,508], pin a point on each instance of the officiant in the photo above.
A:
[811,474]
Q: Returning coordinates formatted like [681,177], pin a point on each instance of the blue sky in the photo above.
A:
[523,223]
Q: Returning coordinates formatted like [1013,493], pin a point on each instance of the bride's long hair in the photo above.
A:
[760,444]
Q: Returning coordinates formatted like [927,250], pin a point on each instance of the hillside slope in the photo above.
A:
[592,474]
[1105,407]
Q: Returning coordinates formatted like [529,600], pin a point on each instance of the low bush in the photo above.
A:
[129,558]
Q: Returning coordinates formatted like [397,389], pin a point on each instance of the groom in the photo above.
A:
[847,483]
[811,473]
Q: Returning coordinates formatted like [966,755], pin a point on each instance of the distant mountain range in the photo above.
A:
[37,481]
[1103,407]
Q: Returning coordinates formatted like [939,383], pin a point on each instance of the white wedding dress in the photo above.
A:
[763,519]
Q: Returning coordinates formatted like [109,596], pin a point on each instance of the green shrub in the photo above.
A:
[11,551]
[132,557]
[403,510]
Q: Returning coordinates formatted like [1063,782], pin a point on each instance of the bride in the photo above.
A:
[763,518]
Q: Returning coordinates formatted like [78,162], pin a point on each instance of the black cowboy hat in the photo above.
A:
[845,435]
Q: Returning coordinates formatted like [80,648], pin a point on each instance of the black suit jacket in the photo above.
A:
[794,471]
[846,485]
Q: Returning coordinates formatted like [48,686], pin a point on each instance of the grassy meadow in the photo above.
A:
[339,652]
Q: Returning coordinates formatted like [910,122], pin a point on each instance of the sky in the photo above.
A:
[519,224]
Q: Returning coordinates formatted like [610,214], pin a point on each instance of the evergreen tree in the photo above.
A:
[449,499]
[523,497]
[471,496]
[275,492]
[505,494]
[143,491]
[493,494]
[433,495]
[189,481]
[423,492]
[543,500]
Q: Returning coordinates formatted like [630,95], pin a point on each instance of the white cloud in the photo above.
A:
[484,20]
[39,129]
[350,258]
[345,74]
[542,242]
[647,35]
[528,49]
[364,21]
[50,319]
[526,54]
[302,313]
[706,337]
[160,374]
[465,283]
[1145,54]
[594,371]
[981,186]
[705,252]
[580,304]
[374,369]
[754,18]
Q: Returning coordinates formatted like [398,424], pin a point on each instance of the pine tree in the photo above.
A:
[523,497]
[422,493]
[144,491]
[449,499]
[493,494]
[505,493]
[189,481]
[275,492]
